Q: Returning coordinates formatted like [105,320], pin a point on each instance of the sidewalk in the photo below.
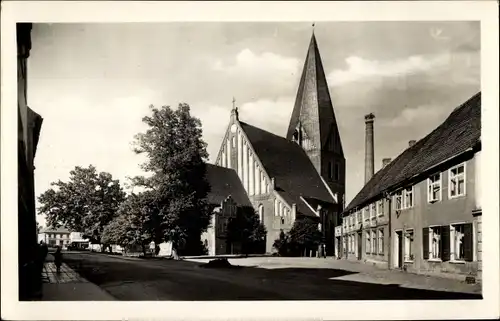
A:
[68,285]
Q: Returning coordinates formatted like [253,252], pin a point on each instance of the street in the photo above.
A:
[260,278]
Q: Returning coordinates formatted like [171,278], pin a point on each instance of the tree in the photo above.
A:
[283,244]
[176,156]
[86,203]
[305,234]
[246,229]
[132,226]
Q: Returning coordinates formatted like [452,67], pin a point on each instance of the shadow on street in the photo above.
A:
[136,280]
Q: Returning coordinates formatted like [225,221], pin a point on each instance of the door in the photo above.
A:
[360,243]
[399,251]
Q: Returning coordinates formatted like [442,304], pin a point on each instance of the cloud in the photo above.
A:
[268,114]
[265,74]
[267,63]
[417,115]
[360,69]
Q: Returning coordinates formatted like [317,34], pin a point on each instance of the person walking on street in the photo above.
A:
[58,259]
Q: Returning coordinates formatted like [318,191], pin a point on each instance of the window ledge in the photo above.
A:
[457,262]
[435,260]
[380,215]
[433,201]
[408,261]
[456,196]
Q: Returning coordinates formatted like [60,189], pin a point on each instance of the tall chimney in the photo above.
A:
[411,143]
[385,162]
[369,153]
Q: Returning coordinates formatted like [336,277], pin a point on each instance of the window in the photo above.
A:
[380,208]
[233,141]
[374,242]
[351,220]
[261,212]
[457,242]
[434,188]
[368,243]
[456,183]
[435,243]
[336,172]
[360,216]
[367,213]
[276,209]
[408,246]
[380,241]
[373,210]
[398,200]
[408,197]
[280,210]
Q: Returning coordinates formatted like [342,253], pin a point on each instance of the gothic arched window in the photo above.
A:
[296,136]
[261,213]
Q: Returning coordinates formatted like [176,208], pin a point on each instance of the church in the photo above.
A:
[284,178]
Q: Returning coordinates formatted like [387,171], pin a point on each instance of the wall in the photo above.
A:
[208,237]
[444,212]
[369,222]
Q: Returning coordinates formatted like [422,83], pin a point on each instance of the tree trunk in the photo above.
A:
[174,253]
[143,250]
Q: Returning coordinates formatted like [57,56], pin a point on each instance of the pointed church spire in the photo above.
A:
[313,105]
[314,119]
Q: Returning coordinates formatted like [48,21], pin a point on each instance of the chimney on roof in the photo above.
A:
[385,162]
[369,147]
[411,143]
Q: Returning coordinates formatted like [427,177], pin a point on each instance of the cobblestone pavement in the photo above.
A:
[66,275]
[68,285]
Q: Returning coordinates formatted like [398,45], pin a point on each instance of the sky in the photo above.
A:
[93,83]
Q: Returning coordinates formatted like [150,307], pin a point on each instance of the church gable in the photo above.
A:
[236,152]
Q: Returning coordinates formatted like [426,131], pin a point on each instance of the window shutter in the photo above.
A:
[468,246]
[445,243]
[425,242]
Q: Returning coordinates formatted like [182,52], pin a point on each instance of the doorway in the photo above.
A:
[360,243]
[399,249]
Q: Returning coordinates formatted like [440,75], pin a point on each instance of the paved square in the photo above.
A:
[67,275]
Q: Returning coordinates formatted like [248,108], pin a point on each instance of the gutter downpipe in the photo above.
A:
[389,253]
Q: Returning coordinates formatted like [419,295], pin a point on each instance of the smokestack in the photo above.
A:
[369,152]
[385,162]
[411,143]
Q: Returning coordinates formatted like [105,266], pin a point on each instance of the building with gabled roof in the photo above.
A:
[421,212]
[299,174]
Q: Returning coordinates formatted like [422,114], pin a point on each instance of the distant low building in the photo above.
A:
[55,236]
[422,211]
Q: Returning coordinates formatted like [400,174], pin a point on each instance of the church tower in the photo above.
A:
[313,125]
